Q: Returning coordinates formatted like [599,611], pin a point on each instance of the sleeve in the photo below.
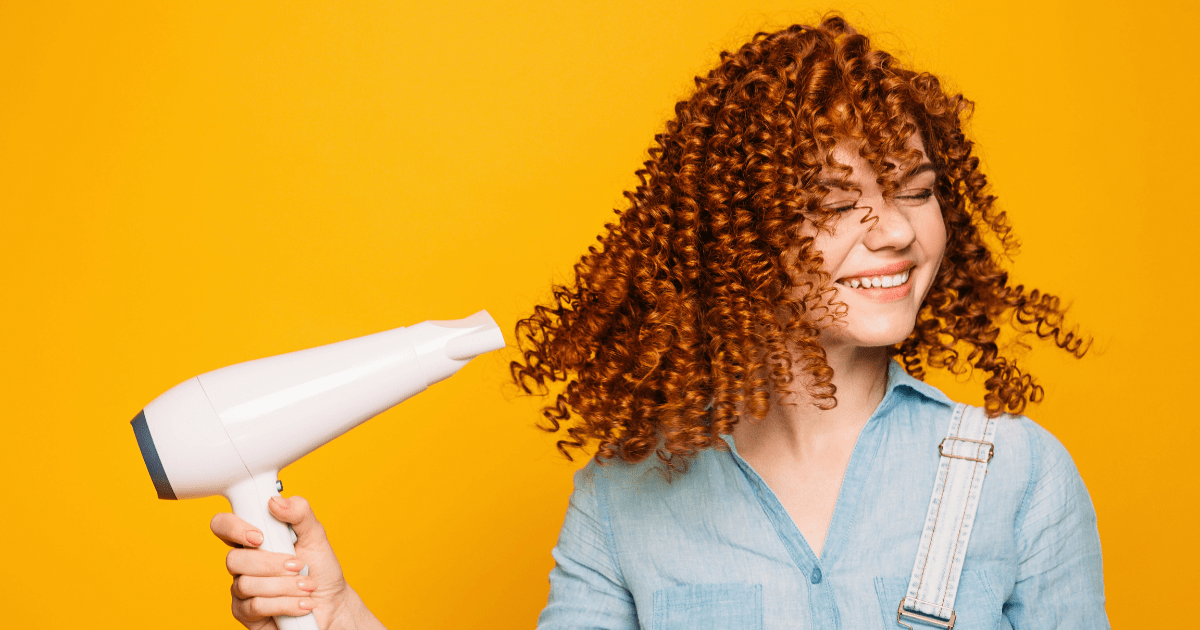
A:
[586,586]
[1060,578]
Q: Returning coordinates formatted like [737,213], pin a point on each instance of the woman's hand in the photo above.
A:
[266,584]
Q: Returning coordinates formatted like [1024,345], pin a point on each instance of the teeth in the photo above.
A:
[876,282]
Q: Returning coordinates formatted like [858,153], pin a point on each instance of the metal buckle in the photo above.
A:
[943,451]
[922,617]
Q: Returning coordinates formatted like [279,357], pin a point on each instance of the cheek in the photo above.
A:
[833,250]
[931,233]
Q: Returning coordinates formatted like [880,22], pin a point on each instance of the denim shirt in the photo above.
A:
[714,548]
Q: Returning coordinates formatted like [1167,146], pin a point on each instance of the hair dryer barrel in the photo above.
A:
[223,426]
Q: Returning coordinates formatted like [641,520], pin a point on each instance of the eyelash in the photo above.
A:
[922,195]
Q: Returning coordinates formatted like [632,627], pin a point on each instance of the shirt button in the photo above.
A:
[816,576]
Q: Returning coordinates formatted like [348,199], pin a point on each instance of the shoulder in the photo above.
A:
[638,504]
[1023,439]
[1039,474]
[1033,436]
[1018,440]
[1055,485]
[1030,467]
[647,481]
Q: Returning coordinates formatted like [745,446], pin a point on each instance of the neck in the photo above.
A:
[795,426]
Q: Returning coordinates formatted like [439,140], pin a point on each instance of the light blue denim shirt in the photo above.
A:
[714,548]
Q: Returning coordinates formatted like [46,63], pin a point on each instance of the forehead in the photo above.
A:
[848,153]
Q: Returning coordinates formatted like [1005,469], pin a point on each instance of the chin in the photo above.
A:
[857,335]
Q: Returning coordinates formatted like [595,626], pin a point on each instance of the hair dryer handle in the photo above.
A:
[249,500]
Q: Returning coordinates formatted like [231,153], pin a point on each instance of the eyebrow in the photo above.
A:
[923,167]
[845,184]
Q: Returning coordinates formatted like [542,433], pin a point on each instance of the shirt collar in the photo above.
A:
[897,378]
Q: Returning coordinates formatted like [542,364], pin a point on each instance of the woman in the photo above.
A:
[811,232]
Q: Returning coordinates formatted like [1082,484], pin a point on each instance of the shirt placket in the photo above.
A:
[818,571]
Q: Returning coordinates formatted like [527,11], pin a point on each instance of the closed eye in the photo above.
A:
[846,206]
[914,197]
[841,203]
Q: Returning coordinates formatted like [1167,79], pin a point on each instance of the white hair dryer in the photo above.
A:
[229,432]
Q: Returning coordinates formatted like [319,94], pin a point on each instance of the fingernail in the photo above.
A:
[277,501]
[293,565]
[306,585]
[307,604]
[254,538]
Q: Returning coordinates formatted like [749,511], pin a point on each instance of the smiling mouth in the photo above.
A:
[876,282]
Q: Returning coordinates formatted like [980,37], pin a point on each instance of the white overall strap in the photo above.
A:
[965,454]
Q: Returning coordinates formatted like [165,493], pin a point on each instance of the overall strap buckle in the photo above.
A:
[901,613]
[947,450]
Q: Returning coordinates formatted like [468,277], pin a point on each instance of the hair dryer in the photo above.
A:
[229,432]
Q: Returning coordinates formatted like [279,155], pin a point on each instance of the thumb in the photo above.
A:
[296,512]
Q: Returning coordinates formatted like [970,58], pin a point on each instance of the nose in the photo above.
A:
[889,227]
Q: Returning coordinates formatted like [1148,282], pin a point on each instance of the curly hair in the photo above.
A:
[706,295]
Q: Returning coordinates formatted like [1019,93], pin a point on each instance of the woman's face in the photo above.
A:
[881,252]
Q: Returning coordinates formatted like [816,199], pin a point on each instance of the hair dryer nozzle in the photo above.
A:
[444,346]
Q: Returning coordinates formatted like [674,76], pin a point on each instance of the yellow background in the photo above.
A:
[187,185]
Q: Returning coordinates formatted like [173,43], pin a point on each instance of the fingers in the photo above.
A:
[262,563]
[257,597]
[247,586]
[257,608]
[268,584]
[234,531]
[298,513]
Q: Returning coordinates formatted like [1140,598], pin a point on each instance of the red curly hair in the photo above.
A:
[705,296]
